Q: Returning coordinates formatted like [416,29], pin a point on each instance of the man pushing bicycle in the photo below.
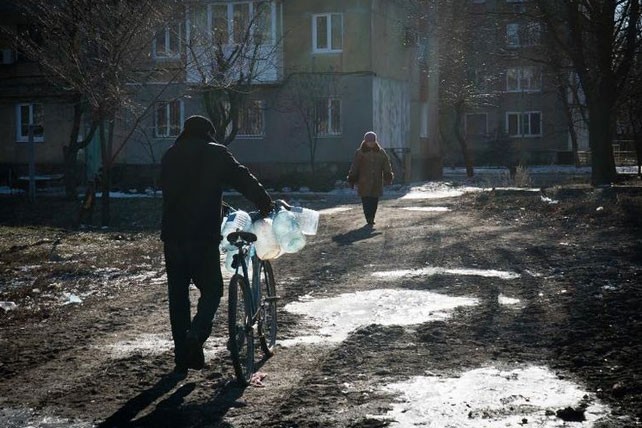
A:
[194,171]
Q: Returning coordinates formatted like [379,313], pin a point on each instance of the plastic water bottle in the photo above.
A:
[266,246]
[237,221]
[287,231]
[229,258]
[308,220]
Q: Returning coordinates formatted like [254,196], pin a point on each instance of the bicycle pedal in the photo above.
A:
[272,298]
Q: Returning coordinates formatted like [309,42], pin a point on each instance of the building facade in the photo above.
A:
[524,119]
[329,71]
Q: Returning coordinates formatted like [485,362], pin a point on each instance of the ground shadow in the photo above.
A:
[350,237]
[123,416]
[172,411]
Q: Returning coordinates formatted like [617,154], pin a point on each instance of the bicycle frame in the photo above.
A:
[245,248]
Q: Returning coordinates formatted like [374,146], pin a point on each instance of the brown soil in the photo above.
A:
[580,262]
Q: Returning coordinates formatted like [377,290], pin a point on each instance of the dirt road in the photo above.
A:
[502,308]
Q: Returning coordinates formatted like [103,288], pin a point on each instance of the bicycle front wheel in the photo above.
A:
[241,341]
[267,319]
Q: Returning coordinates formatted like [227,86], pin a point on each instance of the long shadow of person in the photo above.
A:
[134,406]
[172,412]
[348,238]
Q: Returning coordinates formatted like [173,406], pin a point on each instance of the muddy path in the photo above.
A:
[489,309]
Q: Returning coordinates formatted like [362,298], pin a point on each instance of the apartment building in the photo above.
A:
[524,120]
[332,70]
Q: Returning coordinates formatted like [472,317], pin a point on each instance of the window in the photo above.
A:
[522,35]
[168,118]
[240,21]
[512,35]
[29,114]
[327,32]
[167,42]
[476,124]
[527,79]
[251,119]
[328,117]
[230,22]
[530,124]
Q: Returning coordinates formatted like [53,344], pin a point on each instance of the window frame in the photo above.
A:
[168,119]
[259,105]
[330,129]
[168,35]
[24,138]
[523,34]
[329,34]
[521,77]
[521,116]
[269,29]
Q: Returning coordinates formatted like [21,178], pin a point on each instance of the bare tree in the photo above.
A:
[601,39]
[305,95]
[97,51]
[466,78]
[630,111]
[231,48]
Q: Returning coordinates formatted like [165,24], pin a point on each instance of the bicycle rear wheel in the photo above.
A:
[267,318]
[241,342]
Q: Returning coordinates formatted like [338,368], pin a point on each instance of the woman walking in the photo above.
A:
[370,170]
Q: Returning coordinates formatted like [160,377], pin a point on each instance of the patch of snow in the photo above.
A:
[433,270]
[504,300]
[335,317]
[334,210]
[8,306]
[549,200]
[427,209]
[145,344]
[70,298]
[489,397]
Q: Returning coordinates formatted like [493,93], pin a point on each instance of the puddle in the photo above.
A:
[427,209]
[489,397]
[430,271]
[334,210]
[335,317]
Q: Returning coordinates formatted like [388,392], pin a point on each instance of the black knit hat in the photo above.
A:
[199,126]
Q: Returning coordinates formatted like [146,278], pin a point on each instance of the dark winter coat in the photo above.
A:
[193,173]
[370,170]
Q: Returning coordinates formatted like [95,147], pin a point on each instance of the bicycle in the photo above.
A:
[251,306]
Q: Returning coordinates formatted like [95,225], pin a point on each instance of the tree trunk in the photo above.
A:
[600,139]
[463,143]
[638,153]
[106,142]
[70,154]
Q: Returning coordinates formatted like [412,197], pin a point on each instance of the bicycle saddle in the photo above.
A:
[243,236]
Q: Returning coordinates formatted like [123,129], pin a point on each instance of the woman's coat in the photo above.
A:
[370,170]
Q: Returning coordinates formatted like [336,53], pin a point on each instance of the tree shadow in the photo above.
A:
[348,238]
